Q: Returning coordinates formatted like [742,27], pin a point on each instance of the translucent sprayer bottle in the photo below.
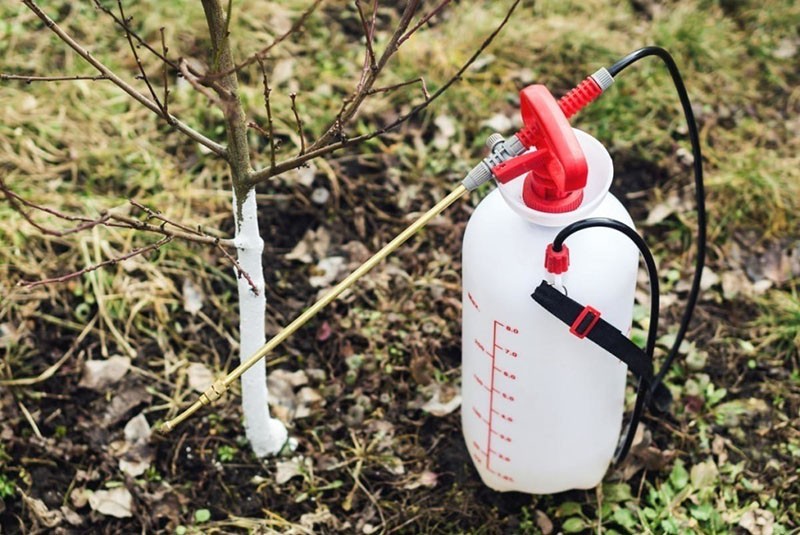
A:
[542,408]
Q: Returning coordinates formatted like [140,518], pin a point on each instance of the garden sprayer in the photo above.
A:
[550,262]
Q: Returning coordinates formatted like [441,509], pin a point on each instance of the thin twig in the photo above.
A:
[197,232]
[270,125]
[109,219]
[389,88]
[424,20]
[16,201]
[139,64]
[239,270]
[261,54]
[139,97]
[196,84]
[164,72]
[122,24]
[369,75]
[292,163]
[28,79]
[88,269]
[368,31]
[160,55]
[293,96]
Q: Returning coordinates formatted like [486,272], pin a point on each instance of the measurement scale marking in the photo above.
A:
[480,382]
[505,373]
[491,393]
[479,415]
[504,416]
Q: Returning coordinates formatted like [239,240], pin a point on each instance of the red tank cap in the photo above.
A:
[557,170]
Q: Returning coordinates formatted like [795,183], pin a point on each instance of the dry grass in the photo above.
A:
[82,147]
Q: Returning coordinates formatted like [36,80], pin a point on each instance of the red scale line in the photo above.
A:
[491,394]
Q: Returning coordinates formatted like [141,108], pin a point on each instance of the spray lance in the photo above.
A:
[543,375]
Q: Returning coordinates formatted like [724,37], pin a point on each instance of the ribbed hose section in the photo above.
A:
[576,99]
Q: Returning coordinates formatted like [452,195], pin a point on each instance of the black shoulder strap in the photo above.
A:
[586,322]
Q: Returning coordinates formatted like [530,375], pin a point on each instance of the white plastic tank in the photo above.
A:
[542,409]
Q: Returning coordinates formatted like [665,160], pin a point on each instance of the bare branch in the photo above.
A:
[369,31]
[239,271]
[196,84]
[197,233]
[28,79]
[108,219]
[122,24]
[292,163]
[261,54]
[88,269]
[424,20]
[368,77]
[267,105]
[17,202]
[139,97]
[389,88]
[142,72]
[164,72]
[293,96]
[124,221]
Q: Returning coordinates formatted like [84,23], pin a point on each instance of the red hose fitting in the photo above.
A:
[579,97]
[556,262]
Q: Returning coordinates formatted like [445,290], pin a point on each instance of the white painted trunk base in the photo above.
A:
[266,435]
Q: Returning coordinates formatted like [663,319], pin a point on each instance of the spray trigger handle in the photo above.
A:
[557,170]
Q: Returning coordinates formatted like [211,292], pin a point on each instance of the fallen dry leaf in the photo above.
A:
[544,522]
[444,399]
[327,271]
[116,502]
[287,403]
[137,429]
[758,522]
[124,402]
[192,297]
[313,244]
[135,453]
[45,516]
[424,479]
[704,474]
[294,467]
[662,210]
[99,374]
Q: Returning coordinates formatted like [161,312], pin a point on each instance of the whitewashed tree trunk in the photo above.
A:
[266,435]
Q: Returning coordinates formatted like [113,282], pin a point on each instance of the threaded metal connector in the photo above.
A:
[603,78]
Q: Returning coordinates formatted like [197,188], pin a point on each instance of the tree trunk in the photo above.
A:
[266,435]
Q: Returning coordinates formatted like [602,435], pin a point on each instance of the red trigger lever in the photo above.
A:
[557,169]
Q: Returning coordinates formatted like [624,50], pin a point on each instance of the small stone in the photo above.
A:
[320,196]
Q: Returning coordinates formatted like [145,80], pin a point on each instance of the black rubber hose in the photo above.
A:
[644,387]
[700,199]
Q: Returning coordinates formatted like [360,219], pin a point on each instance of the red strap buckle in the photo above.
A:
[585,322]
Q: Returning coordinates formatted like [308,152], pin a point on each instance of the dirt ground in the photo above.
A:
[365,388]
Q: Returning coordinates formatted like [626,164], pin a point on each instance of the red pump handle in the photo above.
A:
[557,170]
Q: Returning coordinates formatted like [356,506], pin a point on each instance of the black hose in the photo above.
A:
[700,199]
[644,386]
